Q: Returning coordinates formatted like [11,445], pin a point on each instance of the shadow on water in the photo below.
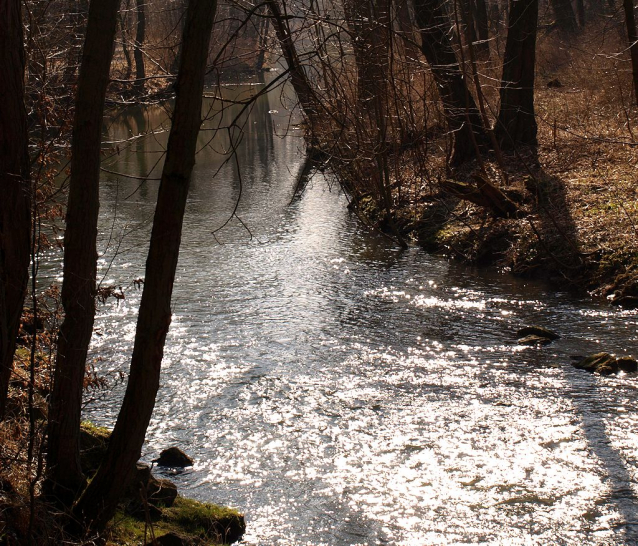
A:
[594,423]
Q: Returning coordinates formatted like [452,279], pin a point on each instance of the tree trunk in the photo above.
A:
[516,120]
[564,15]
[77,23]
[80,254]
[368,23]
[97,504]
[301,85]
[15,203]
[263,28]
[138,55]
[407,31]
[479,11]
[123,20]
[580,12]
[460,109]
[630,22]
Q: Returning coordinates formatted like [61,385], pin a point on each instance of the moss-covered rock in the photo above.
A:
[93,443]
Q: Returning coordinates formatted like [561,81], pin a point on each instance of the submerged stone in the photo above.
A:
[534,340]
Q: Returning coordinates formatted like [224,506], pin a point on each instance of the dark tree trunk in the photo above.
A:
[300,83]
[479,11]
[80,255]
[123,20]
[630,22]
[462,115]
[264,26]
[580,12]
[564,15]
[97,504]
[516,120]
[77,16]
[138,54]
[15,202]
[407,31]
[368,23]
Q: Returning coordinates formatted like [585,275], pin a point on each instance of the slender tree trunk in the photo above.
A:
[516,120]
[15,202]
[479,11]
[580,12]
[138,54]
[565,16]
[80,255]
[407,31]
[630,22]
[263,28]
[123,20]
[460,109]
[97,504]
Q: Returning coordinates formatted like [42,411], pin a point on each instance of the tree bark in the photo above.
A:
[516,120]
[15,203]
[630,22]
[460,109]
[80,254]
[97,505]
[138,54]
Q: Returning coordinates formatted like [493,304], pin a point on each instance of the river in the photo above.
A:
[342,391]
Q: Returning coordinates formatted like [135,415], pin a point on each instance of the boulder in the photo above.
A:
[174,457]
[144,485]
[162,492]
[607,364]
[538,331]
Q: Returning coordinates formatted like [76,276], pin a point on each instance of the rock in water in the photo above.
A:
[606,364]
[538,331]
[627,364]
[534,340]
[174,457]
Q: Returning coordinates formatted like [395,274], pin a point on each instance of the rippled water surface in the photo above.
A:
[341,391]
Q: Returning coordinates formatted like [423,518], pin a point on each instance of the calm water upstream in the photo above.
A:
[341,391]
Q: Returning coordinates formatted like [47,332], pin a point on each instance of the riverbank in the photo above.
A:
[576,219]
[151,512]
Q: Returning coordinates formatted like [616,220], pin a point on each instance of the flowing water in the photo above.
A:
[342,391]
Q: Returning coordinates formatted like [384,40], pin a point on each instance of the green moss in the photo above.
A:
[188,518]
[206,520]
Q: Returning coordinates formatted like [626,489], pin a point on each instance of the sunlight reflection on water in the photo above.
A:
[341,391]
